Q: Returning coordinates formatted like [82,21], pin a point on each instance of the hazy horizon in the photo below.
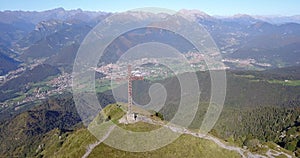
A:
[214,8]
[215,15]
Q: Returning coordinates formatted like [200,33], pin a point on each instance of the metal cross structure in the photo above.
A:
[130,78]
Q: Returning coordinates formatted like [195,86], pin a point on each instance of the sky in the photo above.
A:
[211,7]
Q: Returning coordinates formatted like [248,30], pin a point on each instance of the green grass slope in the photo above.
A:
[75,145]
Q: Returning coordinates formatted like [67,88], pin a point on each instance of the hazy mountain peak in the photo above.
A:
[57,9]
[193,11]
[242,16]
[47,24]
[194,14]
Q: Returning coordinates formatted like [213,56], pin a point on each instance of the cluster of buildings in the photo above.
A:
[3,105]
[56,85]
[15,73]
[60,83]
[152,67]
[147,67]
[12,74]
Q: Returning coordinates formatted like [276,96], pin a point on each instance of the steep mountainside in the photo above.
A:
[257,110]
[7,64]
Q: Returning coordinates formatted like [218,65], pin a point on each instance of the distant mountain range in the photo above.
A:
[56,34]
